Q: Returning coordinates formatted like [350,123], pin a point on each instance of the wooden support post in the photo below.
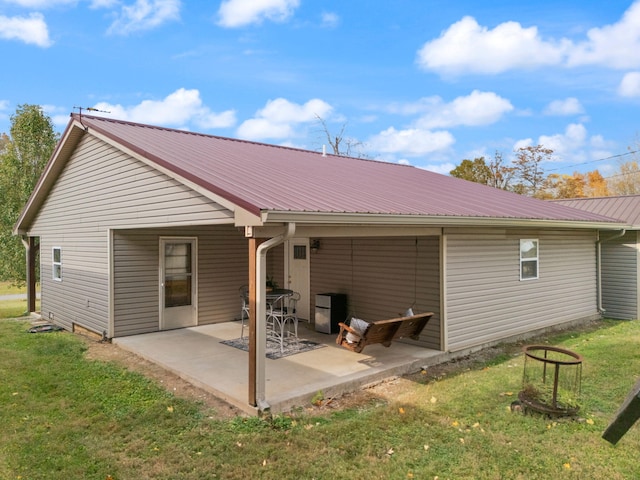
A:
[626,416]
[254,243]
[32,251]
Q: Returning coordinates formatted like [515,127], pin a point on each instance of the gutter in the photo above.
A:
[261,312]
[599,241]
[334,218]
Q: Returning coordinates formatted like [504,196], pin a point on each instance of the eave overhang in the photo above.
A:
[323,218]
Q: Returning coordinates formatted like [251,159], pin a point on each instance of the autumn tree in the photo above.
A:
[475,170]
[596,185]
[627,180]
[563,186]
[23,155]
[495,174]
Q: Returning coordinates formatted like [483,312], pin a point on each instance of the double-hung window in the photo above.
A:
[529,259]
[56,263]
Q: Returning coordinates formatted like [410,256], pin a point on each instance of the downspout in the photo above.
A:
[622,232]
[261,312]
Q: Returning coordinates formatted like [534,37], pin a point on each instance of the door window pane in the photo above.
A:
[177,291]
[177,274]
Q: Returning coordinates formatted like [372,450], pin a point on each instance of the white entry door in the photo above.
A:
[297,273]
[178,282]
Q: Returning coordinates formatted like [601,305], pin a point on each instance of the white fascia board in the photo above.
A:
[243,218]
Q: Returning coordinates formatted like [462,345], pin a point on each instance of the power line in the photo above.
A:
[637,172]
[593,161]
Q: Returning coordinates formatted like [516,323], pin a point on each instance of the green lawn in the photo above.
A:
[8,288]
[13,308]
[65,417]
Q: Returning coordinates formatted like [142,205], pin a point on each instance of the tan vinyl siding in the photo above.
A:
[487,301]
[99,188]
[620,277]
[275,265]
[222,269]
[81,297]
[382,277]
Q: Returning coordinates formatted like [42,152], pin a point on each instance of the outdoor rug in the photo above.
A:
[291,347]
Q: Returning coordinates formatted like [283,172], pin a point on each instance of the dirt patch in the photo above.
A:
[390,389]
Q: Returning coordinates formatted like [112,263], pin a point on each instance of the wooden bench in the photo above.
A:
[383,331]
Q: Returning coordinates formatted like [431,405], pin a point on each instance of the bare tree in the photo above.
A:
[340,144]
[500,176]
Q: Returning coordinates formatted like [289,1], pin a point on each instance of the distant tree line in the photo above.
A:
[525,175]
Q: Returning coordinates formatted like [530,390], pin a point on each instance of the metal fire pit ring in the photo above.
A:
[551,402]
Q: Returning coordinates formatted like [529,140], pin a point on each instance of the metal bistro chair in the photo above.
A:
[244,311]
[281,312]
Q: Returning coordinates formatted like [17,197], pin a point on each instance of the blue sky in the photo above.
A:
[423,82]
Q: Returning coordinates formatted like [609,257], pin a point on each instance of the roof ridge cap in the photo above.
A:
[79,117]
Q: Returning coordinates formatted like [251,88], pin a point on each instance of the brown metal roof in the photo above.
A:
[261,177]
[625,208]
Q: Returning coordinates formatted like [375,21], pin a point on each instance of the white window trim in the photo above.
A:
[54,264]
[531,259]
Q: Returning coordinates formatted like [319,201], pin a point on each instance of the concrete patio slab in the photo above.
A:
[196,355]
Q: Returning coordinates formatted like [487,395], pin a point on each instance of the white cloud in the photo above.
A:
[177,109]
[145,15]
[442,168]
[238,13]
[103,3]
[330,19]
[568,106]
[31,30]
[279,118]
[59,115]
[630,85]
[600,148]
[574,145]
[466,46]
[40,3]
[614,46]
[410,142]
[567,146]
[478,108]
[524,143]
